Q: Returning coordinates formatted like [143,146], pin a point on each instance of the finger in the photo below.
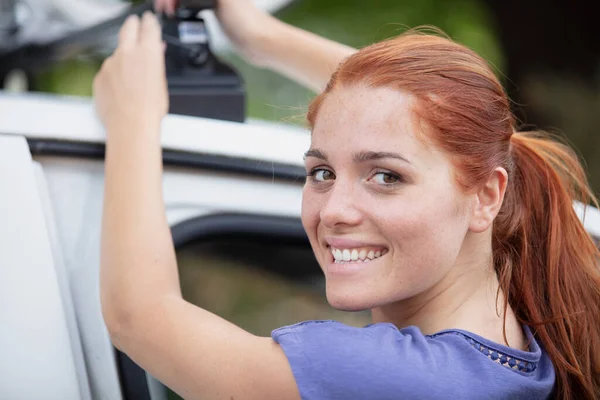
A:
[105,65]
[171,4]
[150,33]
[96,85]
[159,6]
[100,77]
[128,36]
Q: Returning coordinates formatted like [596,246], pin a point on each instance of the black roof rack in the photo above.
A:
[199,83]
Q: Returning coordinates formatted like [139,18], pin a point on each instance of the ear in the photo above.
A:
[488,201]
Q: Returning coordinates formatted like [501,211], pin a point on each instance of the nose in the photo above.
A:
[340,209]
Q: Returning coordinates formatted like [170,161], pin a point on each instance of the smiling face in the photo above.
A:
[384,217]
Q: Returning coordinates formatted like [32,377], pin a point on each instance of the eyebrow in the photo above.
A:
[360,157]
[377,155]
[316,153]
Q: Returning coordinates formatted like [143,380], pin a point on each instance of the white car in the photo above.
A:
[221,180]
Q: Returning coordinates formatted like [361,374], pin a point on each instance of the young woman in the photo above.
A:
[423,203]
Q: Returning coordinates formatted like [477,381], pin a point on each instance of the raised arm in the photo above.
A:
[196,353]
[267,42]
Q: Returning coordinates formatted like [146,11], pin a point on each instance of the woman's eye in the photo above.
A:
[320,175]
[386,178]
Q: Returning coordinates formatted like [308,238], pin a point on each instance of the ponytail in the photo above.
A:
[547,263]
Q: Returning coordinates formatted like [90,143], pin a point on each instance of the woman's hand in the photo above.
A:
[246,25]
[130,90]
[165,6]
[248,28]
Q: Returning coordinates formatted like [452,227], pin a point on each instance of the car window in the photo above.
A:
[257,284]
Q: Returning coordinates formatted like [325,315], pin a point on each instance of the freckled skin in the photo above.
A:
[416,220]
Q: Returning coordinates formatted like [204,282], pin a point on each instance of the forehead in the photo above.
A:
[360,118]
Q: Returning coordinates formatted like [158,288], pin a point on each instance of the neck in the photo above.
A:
[467,298]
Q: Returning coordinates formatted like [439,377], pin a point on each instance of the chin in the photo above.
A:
[348,300]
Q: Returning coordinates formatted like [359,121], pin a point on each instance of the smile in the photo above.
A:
[356,255]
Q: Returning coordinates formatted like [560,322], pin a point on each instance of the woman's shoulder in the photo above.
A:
[450,362]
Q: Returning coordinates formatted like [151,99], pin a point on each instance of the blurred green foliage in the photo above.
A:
[74,78]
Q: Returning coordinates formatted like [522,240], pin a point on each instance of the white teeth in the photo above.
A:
[346,255]
[355,255]
[362,255]
[338,255]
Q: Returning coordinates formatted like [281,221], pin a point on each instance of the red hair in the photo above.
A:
[546,262]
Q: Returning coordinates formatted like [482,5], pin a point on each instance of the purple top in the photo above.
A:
[331,360]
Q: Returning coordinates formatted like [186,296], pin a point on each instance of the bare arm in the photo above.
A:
[196,353]
[300,55]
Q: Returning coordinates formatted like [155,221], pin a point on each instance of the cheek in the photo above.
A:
[426,242]
[426,225]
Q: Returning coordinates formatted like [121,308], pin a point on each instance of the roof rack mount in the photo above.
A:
[199,83]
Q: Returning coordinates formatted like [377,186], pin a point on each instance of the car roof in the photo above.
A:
[590,217]
[73,119]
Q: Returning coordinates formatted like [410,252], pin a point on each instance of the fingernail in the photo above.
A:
[151,15]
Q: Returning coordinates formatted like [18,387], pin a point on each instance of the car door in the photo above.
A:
[39,341]
[233,181]
[209,200]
